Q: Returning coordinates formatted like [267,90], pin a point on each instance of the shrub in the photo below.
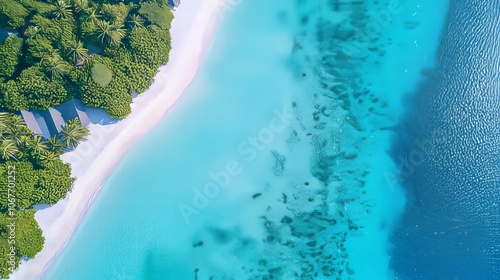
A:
[10,52]
[159,15]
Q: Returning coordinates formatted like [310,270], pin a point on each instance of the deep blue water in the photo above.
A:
[451,227]
[321,197]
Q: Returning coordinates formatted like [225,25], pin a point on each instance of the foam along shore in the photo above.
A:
[92,161]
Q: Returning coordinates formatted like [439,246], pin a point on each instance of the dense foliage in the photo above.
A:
[97,51]
[31,173]
[10,52]
[29,239]
[50,60]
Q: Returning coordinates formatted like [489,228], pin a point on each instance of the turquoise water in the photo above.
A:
[274,164]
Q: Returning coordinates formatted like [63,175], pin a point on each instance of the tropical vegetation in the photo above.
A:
[100,52]
[36,175]
[61,44]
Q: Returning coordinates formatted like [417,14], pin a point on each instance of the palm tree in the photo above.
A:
[5,125]
[74,122]
[37,146]
[12,127]
[72,134]
[108,34]
[17,121]
[8,149]
[136,21]
[76,51]
[80,5]
[48,156]
[92,15]
[54,65]
[25,142]
[62,10]
[4,120]
[16,135]
[54,143]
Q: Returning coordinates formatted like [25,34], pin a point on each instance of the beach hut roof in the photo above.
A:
[51,121]
[43,125]
[31,122]
[74,108]
[55,121]
[82,114]
[36,123]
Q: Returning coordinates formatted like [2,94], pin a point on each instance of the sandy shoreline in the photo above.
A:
[93,161]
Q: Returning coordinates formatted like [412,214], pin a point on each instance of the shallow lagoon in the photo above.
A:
[231,185]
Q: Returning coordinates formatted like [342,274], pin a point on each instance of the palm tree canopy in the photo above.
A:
[76,51]
[54,143]
[108,34]
[72,134]
[49,156]
[62,9]
[37,145]
[8,149]
[80,5]
[4,120]
[54,65]
[92,15]
[136,21]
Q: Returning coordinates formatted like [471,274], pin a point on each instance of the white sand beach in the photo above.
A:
[92,162]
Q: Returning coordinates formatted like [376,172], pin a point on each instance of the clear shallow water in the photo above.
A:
[293,114]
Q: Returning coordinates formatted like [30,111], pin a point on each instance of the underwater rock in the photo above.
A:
[220,236]
[198,244]
[256,195]
[196,270]
[274,270]
[311,243]
[271,238]
[286,220]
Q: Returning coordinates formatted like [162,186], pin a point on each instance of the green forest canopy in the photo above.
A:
[48,62]
[31,173]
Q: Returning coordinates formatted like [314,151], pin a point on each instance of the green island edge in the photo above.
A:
[47,62]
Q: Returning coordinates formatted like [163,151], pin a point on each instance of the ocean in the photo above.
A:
[451,228]
[292,154]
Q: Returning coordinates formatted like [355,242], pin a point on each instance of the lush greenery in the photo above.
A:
[49,61]
[97,51]
[36,175]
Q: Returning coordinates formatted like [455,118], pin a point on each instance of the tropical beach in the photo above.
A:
[308,200]
[92,161]
[249,139]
